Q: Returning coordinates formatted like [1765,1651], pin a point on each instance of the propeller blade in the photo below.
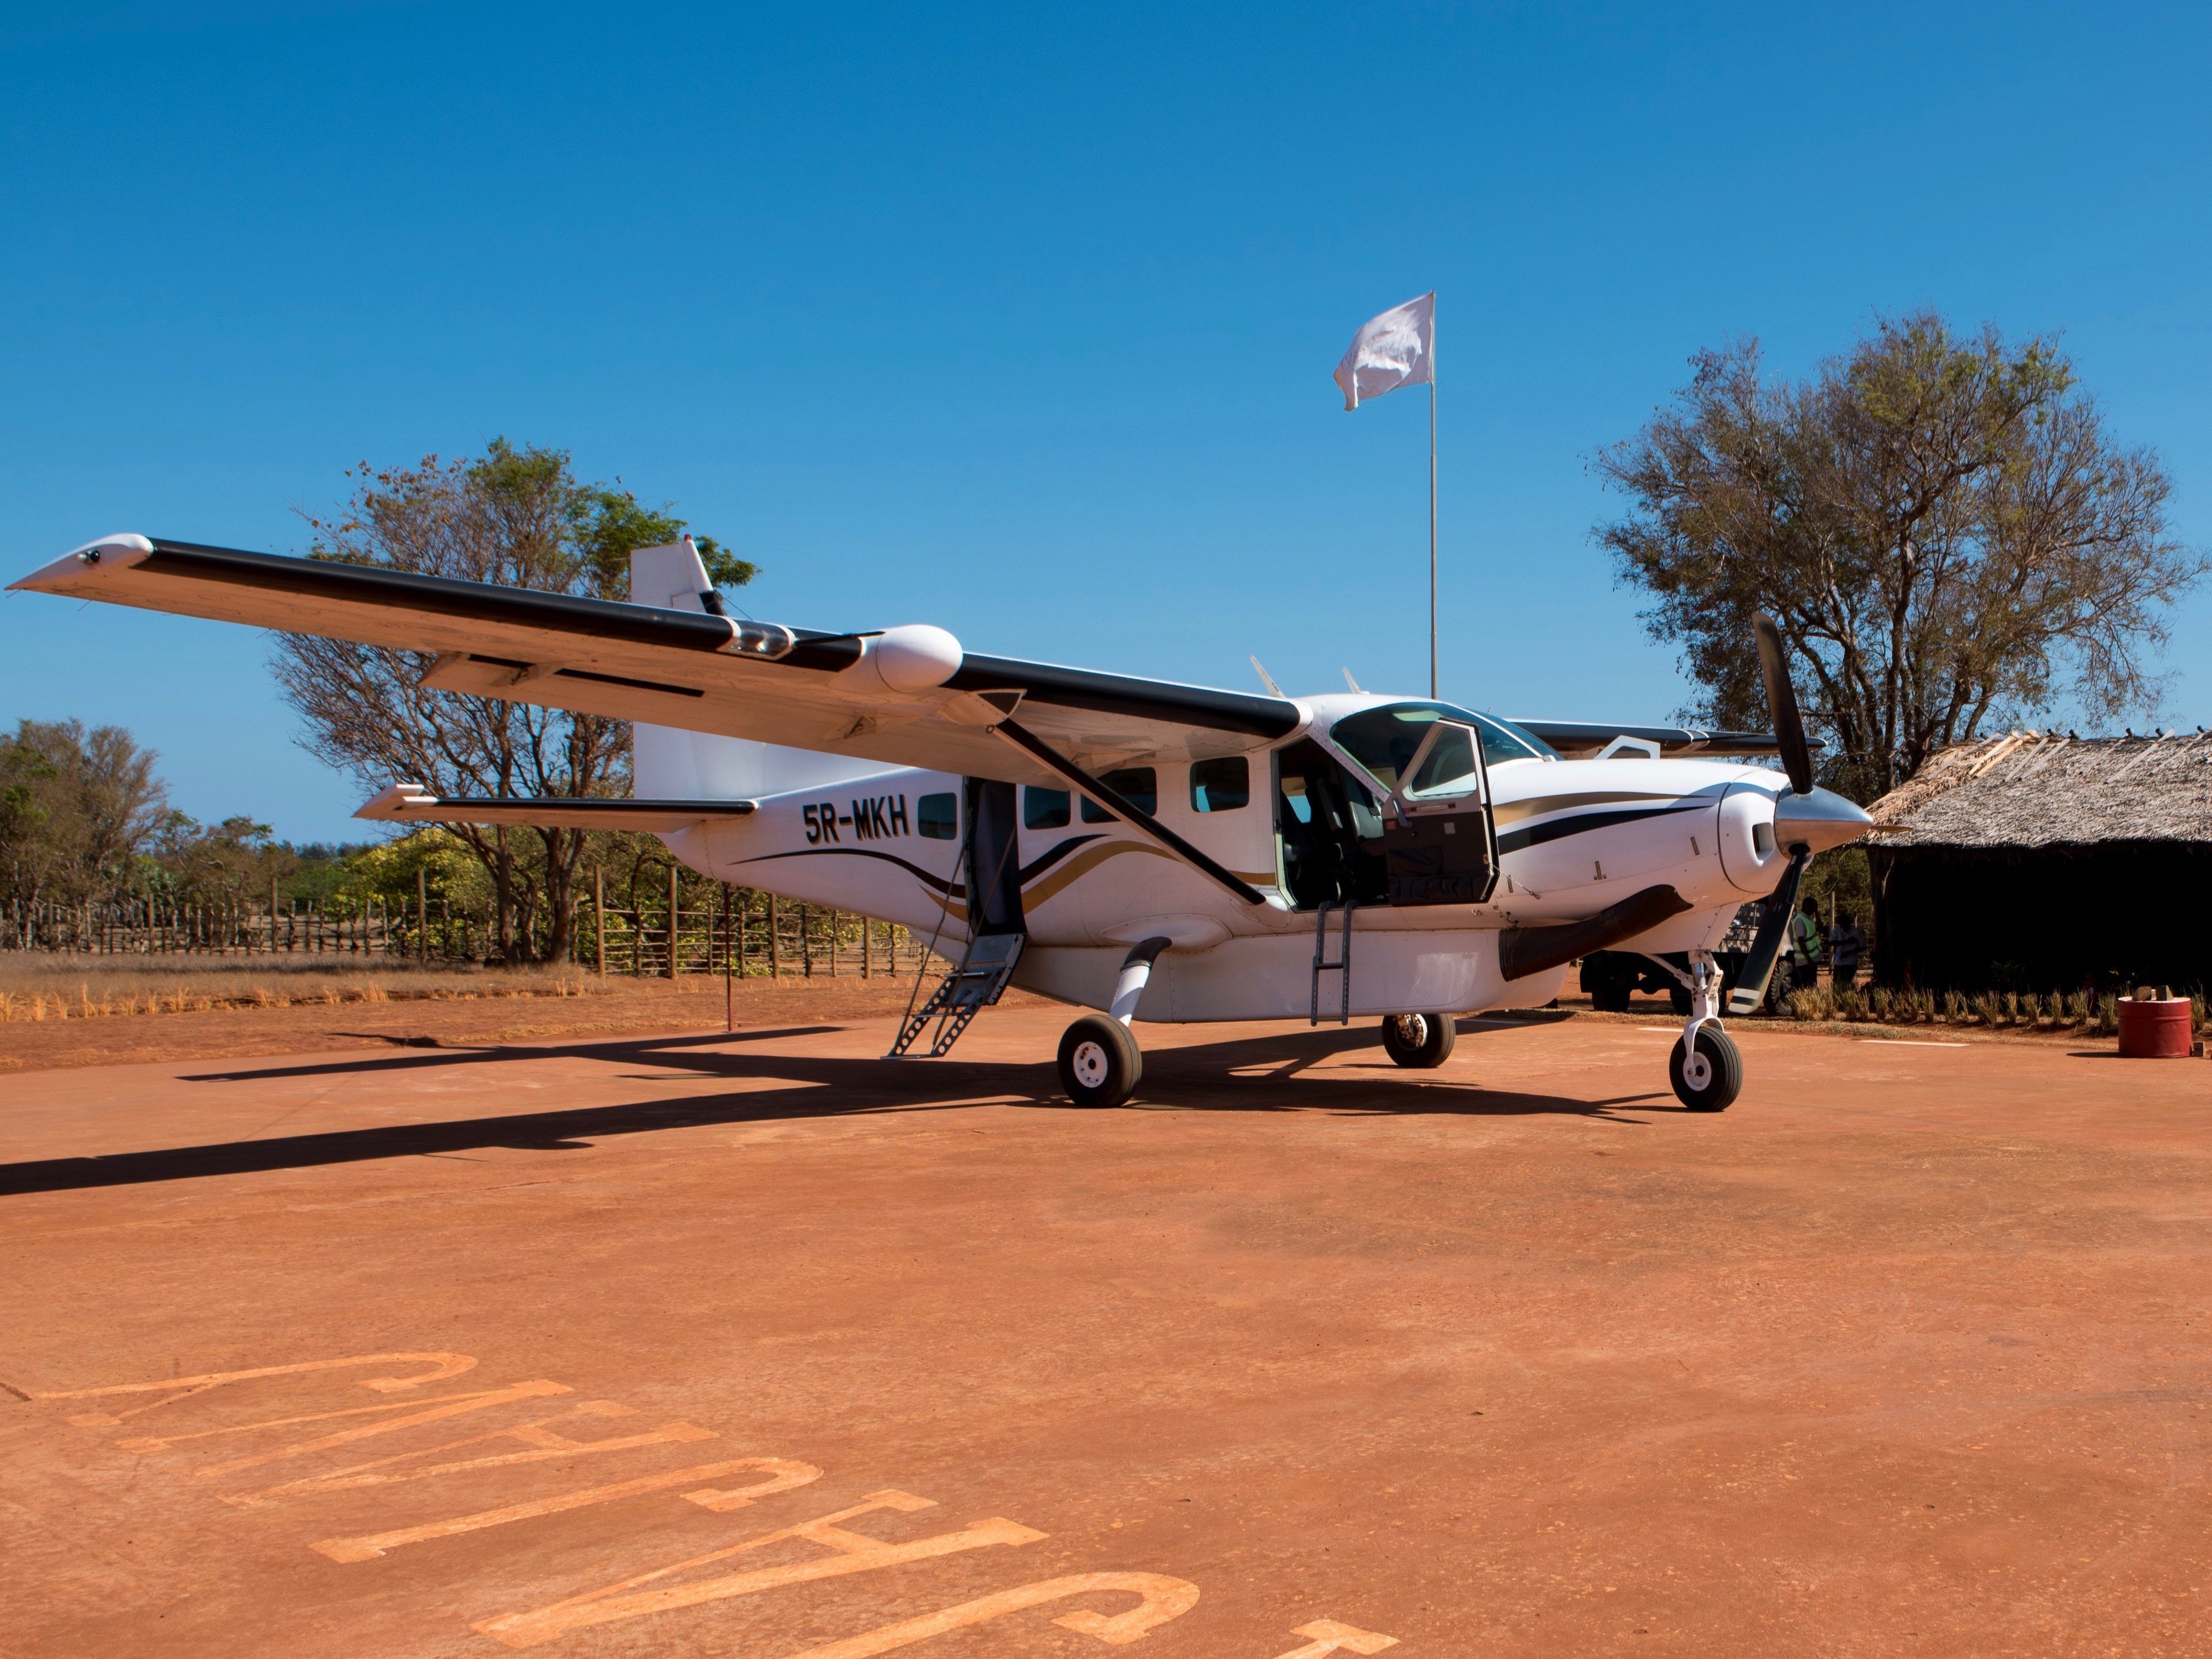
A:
[1758,963]
[1782,705]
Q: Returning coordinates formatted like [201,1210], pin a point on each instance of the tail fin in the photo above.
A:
[670,764]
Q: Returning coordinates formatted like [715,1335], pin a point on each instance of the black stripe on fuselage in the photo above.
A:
[1030,872]
[1044,861]
[935,883]
[1512,841]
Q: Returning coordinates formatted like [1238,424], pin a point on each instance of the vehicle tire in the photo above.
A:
[1099,1062]
[1678,999]
[1713,1076]
[1418,1042]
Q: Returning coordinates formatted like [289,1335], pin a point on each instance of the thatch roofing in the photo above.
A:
[2048,789]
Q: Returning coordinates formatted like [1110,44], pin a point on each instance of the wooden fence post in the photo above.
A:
[774,942]
[671,922]
[599,914]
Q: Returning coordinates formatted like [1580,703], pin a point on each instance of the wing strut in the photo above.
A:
[1030,745]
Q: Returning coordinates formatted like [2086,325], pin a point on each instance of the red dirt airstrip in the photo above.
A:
[757,1346]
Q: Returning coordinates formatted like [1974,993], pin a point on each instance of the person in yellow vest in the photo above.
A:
[1805,947]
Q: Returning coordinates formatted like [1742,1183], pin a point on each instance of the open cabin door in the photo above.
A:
[1391,806]
[1439,845]
[995,880]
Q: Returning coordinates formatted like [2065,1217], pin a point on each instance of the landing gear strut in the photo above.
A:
[1704,1068]
[1100,1064]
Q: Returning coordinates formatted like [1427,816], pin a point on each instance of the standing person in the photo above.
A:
[1805,947]
[1846,944]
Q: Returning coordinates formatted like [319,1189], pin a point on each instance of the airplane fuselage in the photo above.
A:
[1574,836]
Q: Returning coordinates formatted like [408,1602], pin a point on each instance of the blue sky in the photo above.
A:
[1021,321]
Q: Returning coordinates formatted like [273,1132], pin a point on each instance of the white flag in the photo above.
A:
[1397,349]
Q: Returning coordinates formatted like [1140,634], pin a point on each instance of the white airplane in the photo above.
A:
[1144,849]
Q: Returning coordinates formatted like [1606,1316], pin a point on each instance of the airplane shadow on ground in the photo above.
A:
[1244,1074]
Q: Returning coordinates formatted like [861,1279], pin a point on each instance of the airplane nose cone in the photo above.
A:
[1819,820]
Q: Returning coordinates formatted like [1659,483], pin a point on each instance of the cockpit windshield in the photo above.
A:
[1385,740]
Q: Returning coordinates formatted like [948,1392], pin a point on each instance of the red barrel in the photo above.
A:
[2154,1031]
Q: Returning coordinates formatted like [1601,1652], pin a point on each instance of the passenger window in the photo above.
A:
[938,817]
[1294,797]
[1220,786]
[1044,809]
[1140,785]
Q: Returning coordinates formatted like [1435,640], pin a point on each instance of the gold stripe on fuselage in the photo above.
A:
[1513,811]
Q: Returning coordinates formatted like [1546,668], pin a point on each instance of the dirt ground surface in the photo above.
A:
[760,1345]
[487,1012]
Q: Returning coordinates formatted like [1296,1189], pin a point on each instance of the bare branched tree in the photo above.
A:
[77,808]
[1940,524]
[520,519]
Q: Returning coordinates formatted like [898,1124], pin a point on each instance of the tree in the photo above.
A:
[227,863]
[77,806]
[518,518]
[1939,524]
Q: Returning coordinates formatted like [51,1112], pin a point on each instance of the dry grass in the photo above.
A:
[40,987]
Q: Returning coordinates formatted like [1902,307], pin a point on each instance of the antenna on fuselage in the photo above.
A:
[1266,679]
[1353,683]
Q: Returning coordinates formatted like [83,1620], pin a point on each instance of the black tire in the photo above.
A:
[1678,999]
[1100,1063]
[1608,991]
[1720,1078]
[1418,1042]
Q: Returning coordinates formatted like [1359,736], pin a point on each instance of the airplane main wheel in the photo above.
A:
[1418,1041]
[1099,1062]
[1710,1078]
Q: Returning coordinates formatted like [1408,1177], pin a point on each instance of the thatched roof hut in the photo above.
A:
[2044,861]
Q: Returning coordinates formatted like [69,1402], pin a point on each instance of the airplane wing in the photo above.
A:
[1579,739]
[906,696]
[409,803]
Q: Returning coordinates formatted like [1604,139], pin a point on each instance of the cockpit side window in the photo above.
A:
[1501,742]
[1383,741]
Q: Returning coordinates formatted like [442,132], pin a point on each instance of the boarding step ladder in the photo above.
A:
[979,981]
[1341,967]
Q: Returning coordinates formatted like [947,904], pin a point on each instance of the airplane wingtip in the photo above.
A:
[120,550]
[390,804]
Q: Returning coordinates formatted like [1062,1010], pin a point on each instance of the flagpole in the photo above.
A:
[1433,503]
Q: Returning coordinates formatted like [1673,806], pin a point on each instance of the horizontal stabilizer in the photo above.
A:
[409,803]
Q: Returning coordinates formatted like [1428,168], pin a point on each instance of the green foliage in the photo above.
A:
[517,517]
[610,523]
[1939,523]
[77,807]
[592,529]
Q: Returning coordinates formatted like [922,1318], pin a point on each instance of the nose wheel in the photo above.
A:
[1099,1062]
[1710,1075]
[1704,1066]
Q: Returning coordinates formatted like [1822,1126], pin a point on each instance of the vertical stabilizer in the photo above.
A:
[670,763]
